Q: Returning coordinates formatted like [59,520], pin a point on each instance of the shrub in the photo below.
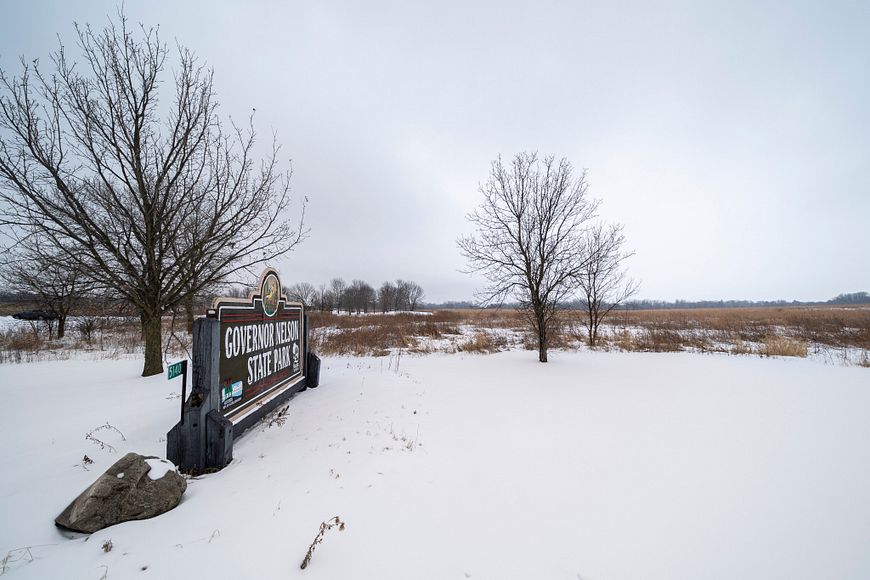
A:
[483,342]
[783,346]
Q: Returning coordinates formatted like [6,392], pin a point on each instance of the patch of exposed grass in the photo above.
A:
[784,346]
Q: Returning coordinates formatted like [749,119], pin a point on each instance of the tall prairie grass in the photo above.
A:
[787,331]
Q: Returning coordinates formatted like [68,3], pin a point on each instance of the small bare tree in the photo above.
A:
[387,297]
[359,297]
[152,201]
[403,293]
[338,287]
[303,292]
[415,294]
[324,298]
[602,281]
[34,268]
[529,241]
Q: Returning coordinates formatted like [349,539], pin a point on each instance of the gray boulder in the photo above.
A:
[126,491]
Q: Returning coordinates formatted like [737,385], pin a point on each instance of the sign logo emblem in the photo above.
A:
[271,293]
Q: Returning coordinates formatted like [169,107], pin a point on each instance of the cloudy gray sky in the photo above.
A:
[731,138]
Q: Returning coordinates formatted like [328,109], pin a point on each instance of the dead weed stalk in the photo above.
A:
[103,445]
[324,527]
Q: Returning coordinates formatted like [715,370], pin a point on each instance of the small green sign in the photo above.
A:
[175,370]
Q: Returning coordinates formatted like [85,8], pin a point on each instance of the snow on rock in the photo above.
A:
[595,465]
[159,467]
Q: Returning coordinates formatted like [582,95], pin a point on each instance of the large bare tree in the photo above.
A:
[602,281]
[153,199]
[528,243]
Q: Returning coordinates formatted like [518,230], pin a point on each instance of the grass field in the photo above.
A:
[797,331]
[838,335]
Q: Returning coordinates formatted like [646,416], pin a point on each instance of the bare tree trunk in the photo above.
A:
[542,346]
[590,326]
[188,311]
[541,323]
[61,326]
[152,332]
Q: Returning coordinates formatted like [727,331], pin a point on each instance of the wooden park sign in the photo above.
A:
[262,347]
[249,356]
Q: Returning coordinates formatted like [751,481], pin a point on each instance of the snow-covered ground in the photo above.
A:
[594,466]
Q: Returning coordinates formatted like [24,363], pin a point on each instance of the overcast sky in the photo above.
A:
[731,138]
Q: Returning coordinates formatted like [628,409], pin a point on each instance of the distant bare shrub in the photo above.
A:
[658,340]
[783,346]
[23,339]
[483,343]
[621,340]
[740,347]
[86,328]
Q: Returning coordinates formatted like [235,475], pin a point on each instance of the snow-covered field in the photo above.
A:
[594,466]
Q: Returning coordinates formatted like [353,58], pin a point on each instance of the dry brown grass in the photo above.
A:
[787,331]
[740,347]
[23,339]
[374,335]
[483,343]
[657,340]
[763,331]
[20,345]
[110,338]
[831,326]
[782,346]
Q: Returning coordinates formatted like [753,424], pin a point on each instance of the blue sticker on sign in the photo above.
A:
[231,393]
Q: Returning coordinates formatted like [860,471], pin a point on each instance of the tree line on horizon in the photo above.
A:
[845,299]
[358,296]
[839,300]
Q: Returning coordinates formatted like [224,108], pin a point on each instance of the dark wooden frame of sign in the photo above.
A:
[203,440]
